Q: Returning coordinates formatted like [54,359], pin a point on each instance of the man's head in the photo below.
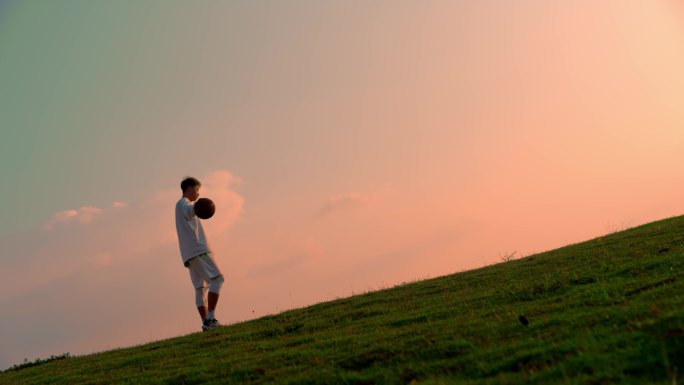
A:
[190,187]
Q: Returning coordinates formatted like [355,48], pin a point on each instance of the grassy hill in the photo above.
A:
[606,311]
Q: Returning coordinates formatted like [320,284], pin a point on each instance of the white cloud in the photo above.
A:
[342,202]
[86,214]
[218,186]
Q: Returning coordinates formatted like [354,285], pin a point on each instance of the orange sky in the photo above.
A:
[348,147]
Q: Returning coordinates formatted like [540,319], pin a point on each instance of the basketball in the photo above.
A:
[205,208]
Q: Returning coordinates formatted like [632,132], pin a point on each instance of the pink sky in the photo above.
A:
[347,147]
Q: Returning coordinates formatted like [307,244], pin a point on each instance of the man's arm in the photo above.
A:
[187,209]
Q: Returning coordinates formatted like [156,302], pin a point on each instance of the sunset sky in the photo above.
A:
[349,146]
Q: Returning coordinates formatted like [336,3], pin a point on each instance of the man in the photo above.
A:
[197,255]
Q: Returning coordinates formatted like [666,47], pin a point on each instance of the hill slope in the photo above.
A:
[606,311]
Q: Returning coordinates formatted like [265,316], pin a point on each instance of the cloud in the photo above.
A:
[342,202]
[218,186]
[86,214]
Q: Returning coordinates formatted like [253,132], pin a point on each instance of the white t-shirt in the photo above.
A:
[191,238]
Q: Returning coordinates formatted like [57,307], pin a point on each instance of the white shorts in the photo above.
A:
[203,269]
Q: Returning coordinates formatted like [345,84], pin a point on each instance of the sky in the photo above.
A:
[348,145]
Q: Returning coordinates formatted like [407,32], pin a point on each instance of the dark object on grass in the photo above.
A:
[205,208]
[523,320]
[664,250]
[38,361]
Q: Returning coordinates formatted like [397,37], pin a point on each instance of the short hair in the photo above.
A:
[189,182]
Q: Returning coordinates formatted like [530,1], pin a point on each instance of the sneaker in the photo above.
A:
[209,324]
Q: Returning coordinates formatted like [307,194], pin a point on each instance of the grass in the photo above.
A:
[606,311]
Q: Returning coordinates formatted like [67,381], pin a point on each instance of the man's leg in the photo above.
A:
[203,312]
[203,269]
[200,287]
[213,300]
[201,301]
[213,297]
